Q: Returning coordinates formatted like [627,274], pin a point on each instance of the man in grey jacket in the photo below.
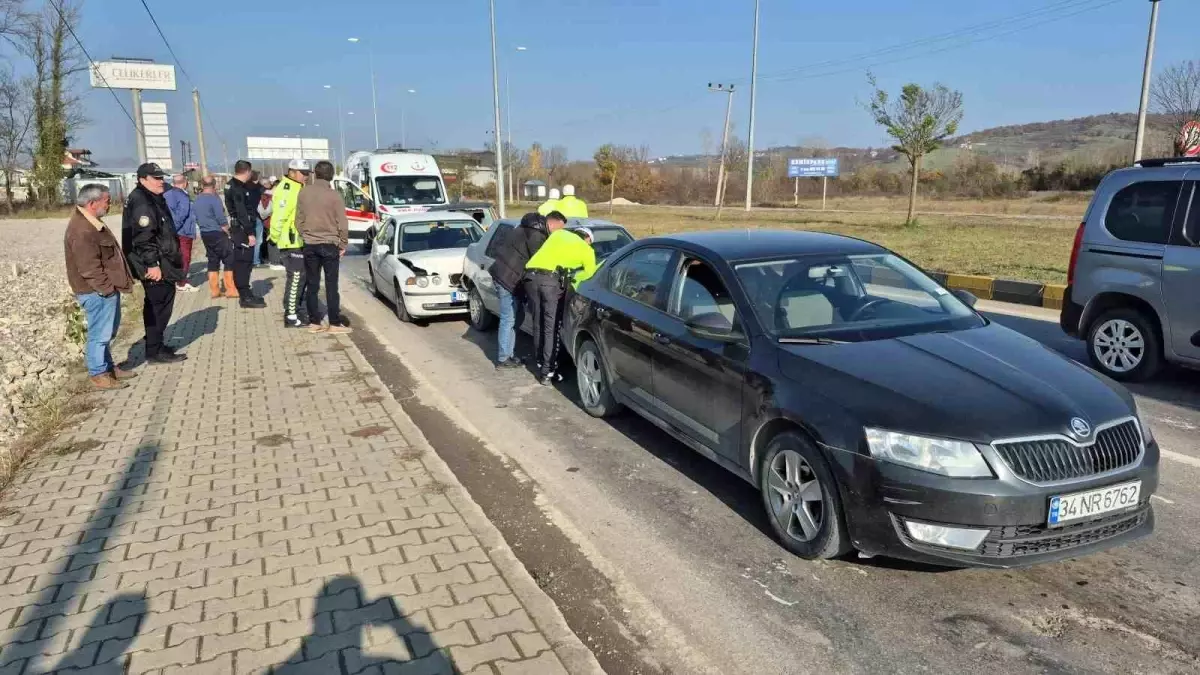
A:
[321,221]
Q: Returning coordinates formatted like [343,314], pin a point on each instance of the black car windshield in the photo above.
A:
[429,236]
[407,190]
[608,240]
[850,297]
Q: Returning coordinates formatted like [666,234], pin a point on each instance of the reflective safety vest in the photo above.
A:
[283,214]
[568,250]
[573,207]
[548,206]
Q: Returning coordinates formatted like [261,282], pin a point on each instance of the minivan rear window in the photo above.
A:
[1143,212]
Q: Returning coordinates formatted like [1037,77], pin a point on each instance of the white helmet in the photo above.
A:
[568,190]
[554,193]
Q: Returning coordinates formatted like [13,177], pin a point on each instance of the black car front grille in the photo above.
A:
[1058,459]
[1021,540]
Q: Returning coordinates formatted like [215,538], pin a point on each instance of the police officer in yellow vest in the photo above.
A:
[288,240]
[550,204]
[565,257]
[570,205]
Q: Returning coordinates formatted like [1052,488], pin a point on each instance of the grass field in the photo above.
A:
[1027,239]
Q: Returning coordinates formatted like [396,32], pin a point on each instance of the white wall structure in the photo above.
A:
[133,75]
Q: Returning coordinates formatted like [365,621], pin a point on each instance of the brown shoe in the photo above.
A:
[230,287]
[317,328]
[337,330]
[119,374]
[214,284]
[105,381]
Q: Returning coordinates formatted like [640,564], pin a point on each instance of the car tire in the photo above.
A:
[816,528]
[478,315]
[374,284]
[401,310]
[1125,345]
[595,394]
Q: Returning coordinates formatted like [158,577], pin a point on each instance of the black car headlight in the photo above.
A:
[956,459]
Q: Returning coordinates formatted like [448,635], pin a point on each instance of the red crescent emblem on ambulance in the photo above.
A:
[389,167]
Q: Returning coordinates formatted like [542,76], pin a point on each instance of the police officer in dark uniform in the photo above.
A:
[152,249]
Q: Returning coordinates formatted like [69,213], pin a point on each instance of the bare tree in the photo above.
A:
[1176,93]
[13,21]
[555,161]
[919,121]
[16,124]
[56,108]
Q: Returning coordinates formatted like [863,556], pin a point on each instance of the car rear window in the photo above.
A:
[1143,212]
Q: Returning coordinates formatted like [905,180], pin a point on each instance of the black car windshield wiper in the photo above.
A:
[811,341]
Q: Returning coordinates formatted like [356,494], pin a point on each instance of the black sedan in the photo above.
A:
[873,409]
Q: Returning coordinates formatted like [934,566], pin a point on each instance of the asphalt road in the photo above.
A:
[662,561]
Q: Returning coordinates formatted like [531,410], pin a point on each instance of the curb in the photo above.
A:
[574,655]
[1049,296]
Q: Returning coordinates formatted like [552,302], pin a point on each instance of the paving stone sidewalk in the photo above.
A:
[265,506]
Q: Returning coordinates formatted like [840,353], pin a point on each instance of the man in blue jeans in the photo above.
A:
[512,252]
[97,274]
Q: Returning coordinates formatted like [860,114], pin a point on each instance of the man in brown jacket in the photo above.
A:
[98,274]
[321,221]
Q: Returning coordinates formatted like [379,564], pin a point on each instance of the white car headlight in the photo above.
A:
[936,455]
[423,282]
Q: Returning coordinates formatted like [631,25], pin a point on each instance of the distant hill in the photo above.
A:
[1096,139]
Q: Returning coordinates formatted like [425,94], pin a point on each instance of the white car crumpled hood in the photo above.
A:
[442,262]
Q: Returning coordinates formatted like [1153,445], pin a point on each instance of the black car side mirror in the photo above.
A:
[967,297]
[713,326]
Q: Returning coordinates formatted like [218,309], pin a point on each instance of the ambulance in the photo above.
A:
[377,185]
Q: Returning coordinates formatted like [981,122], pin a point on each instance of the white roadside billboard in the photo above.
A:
[123,75]
[265,147]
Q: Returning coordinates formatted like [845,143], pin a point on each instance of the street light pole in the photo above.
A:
[1141,123]
[403,123]
[341,128]
[508,114]
[496,111]
[374,107]
[750,136]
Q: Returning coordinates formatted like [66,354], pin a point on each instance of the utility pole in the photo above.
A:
[720,88]
[225,154]
[1141,123]
[750,136]
[200,134]
[139,125]
[499,138]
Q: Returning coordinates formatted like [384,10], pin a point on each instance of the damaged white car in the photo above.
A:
[416,262]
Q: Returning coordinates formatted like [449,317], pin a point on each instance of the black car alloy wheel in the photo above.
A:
[594,393]
[800,494]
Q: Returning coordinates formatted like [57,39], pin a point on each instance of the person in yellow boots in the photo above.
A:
[550,204]
[288,240]
[214,232]
[570,205]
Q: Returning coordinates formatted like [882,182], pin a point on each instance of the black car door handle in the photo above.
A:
[662,339]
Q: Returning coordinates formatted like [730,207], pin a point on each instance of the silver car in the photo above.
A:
[1133,285]
[482,302]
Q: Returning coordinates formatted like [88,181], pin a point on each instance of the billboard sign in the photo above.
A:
[157,134]
[813,167]
[130,75]
[263,147]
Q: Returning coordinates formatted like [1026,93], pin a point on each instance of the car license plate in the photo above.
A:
[455,296]
[1093,503]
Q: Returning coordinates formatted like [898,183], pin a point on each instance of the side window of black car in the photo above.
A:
[641,274]
[1143,212]
[501,231]
[701,291]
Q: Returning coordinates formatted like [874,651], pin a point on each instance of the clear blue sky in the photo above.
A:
[626,71]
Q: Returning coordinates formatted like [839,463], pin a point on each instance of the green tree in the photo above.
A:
[920,119]
[607,163]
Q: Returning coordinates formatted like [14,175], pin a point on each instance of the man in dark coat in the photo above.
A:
[242,221]
[151,247]
[513,251]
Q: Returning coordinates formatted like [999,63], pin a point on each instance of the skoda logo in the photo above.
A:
[1080,427]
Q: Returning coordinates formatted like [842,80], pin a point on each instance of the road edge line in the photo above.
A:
[1179,457]
[575,656]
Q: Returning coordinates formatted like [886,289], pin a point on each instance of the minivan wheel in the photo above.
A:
[481,318]
[802,500]
[1124,345]
[594,393]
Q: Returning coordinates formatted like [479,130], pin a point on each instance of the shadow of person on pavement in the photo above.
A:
[342,616]
[261,287]
[102,648]
[181,333]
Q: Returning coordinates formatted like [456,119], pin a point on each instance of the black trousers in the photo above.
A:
[219,249]
[243,263]
[293,287]
[324,258]
[544,293]
[156,313]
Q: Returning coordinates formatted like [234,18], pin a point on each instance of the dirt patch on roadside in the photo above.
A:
[584,596]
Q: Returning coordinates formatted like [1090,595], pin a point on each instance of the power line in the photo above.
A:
[179,64]
[57,5]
